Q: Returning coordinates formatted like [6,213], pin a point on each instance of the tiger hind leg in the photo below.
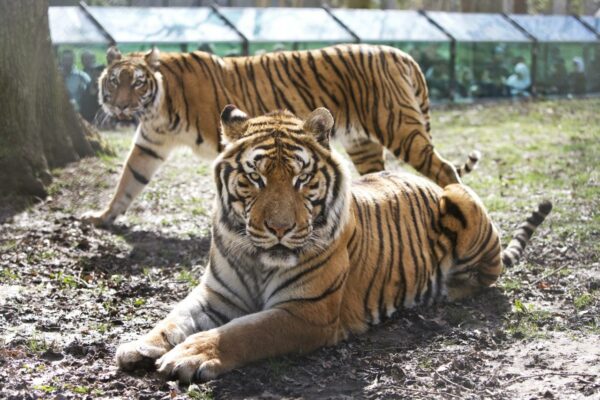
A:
[476,259]
[413,146]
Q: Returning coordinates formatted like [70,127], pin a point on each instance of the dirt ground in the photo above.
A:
[70,293]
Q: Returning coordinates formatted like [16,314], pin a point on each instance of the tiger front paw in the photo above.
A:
[137,354]
[196,359]
[103,218]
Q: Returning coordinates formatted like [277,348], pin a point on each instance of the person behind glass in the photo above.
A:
[558,82]
[577,76]
[519,82]
[89,99]
[494,71]
[76,81]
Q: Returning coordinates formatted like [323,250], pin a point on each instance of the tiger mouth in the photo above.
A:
[280,250]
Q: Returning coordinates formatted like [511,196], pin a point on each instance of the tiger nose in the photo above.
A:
[279,229]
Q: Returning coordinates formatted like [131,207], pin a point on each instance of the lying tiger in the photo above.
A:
[377,94]
[300,257]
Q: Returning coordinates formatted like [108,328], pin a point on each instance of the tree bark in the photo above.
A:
[39,129]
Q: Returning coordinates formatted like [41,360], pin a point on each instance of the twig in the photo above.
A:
[547,275]
[518,378]
[428,394]
[458,385]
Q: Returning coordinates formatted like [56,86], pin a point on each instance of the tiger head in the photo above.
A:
[282,192]
[130,86]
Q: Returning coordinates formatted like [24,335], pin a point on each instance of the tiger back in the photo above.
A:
[378,96]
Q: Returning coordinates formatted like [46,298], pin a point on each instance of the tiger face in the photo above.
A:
[130,86]
[280,186]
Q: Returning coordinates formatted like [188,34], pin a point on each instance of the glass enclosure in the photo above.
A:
[275,29]
[493,57]
[168,28]
[411,32]
[463,56]
[70,25]
[567,56]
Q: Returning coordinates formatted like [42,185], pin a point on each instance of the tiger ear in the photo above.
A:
[153,58]
[113,55]
[233,123]
[319,123]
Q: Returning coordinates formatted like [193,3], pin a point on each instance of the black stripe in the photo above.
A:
[455,211]
[148,151]
[138,177]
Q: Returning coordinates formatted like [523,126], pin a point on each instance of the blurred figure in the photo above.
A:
[438,79]
[77,81]
[495,71]
[465,83]
[594,72]
[577,76]
[520,81]
[89,99]
[279,47]
[559,80]
[207,48]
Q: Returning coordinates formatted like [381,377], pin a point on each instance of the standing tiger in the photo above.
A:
[300,258]
[378,96]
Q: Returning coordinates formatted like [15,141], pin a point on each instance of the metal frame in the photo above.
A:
[327,9]
[452,88]
[245,43]
[534,52]
[88,13]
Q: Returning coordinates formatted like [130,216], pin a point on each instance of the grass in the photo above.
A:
[528,321]
[189,278]
[552,150]
[582,301]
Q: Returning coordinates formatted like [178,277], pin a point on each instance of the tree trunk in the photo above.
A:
[39,129]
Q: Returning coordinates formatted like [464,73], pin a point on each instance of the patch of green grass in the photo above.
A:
[526,321]
[139,302]
[65,281]
[45,388]
[37,343]
[8,275]
[117,279]
[101,328]
[204,169]
[510,284]
[426,363]
[199,211]
[583,301]
[7,245]
[187,276]
[195,393]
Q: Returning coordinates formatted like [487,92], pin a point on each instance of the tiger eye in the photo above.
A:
[304,177]
[254,176]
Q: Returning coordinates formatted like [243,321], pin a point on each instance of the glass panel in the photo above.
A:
[568,68]
[554,28]
[592,21]
[497,69]
[163,25]
[287,25]
[379,25]
[70,25]
[478,27]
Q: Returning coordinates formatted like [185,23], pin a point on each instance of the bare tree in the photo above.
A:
[39,129]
